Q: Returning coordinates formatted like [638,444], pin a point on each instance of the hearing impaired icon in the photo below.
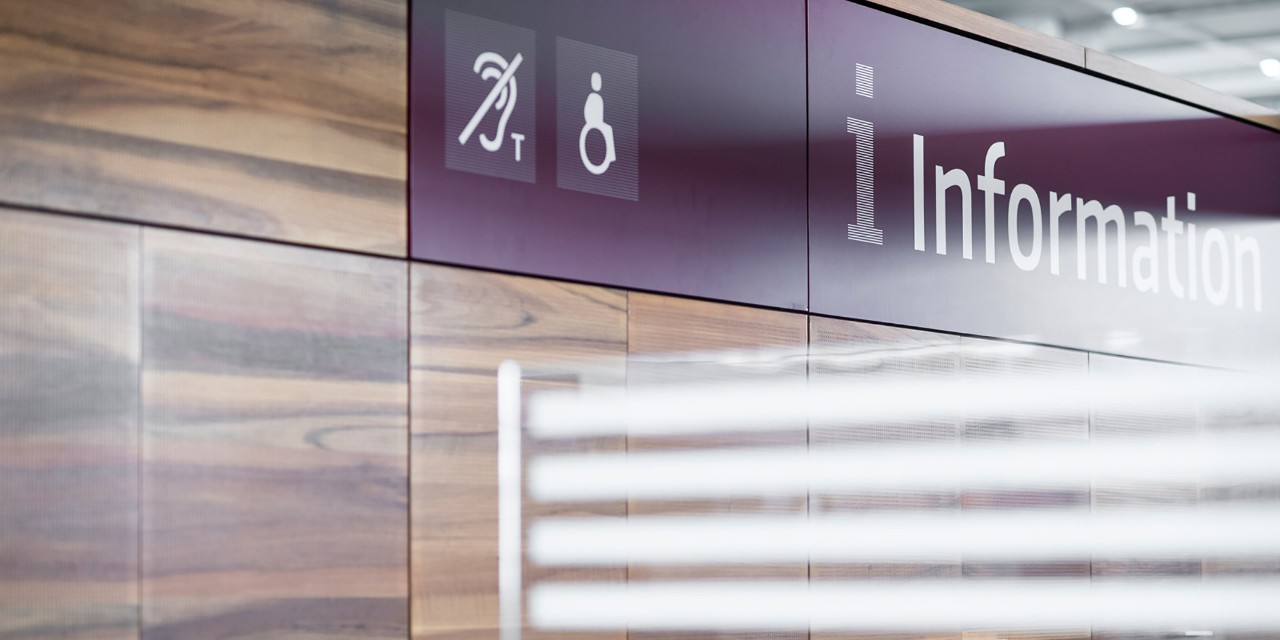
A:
[489,128]
[593,113]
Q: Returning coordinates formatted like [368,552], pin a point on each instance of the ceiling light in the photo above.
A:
[1270,67]
[1125,16]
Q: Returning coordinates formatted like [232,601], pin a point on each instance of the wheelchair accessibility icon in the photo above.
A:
[593,112]
[597,120]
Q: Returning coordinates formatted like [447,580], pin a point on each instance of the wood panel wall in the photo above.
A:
[213,437]
[278,119]
[848,352]
[274,438]
[993,363]
[68,428]
[1071,54]
[465,323]
[698,333]
[277,495]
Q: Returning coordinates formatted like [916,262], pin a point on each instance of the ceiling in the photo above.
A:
[1216,43]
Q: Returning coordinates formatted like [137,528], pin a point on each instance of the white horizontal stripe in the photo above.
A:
[773,404]
[905,605]
[798,470]
[1043,535]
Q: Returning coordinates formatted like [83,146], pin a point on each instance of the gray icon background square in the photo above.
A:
[466,37]
[575,62]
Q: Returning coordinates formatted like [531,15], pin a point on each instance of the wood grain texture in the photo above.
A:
[854,353]
[281,119]
[857,353]
[464,324]
[999,31]
[984,26]
[275,477]
[1133,73]
[697,335]
[1122,420]
[993,363]
[1261,417]
[68,428]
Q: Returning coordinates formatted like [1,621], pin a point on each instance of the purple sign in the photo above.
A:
[658,145]
[958,186]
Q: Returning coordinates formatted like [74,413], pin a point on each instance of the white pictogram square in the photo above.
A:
[597,120]
[489,98]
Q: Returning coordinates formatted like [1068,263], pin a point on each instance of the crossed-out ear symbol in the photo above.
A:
[502,97]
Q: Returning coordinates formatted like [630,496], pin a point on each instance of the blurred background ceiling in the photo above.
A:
[1231,46]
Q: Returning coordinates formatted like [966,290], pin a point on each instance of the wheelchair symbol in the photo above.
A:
[593,112]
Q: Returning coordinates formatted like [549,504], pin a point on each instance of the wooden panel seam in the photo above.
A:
[1075,55]
[1117,68]
[989,28]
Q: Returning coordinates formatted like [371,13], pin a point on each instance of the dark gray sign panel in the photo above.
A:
[654,145]
[955,185]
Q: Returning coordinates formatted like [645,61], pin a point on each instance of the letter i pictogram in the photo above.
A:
[864,229]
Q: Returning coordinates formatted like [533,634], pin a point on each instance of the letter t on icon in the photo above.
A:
[518,138]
